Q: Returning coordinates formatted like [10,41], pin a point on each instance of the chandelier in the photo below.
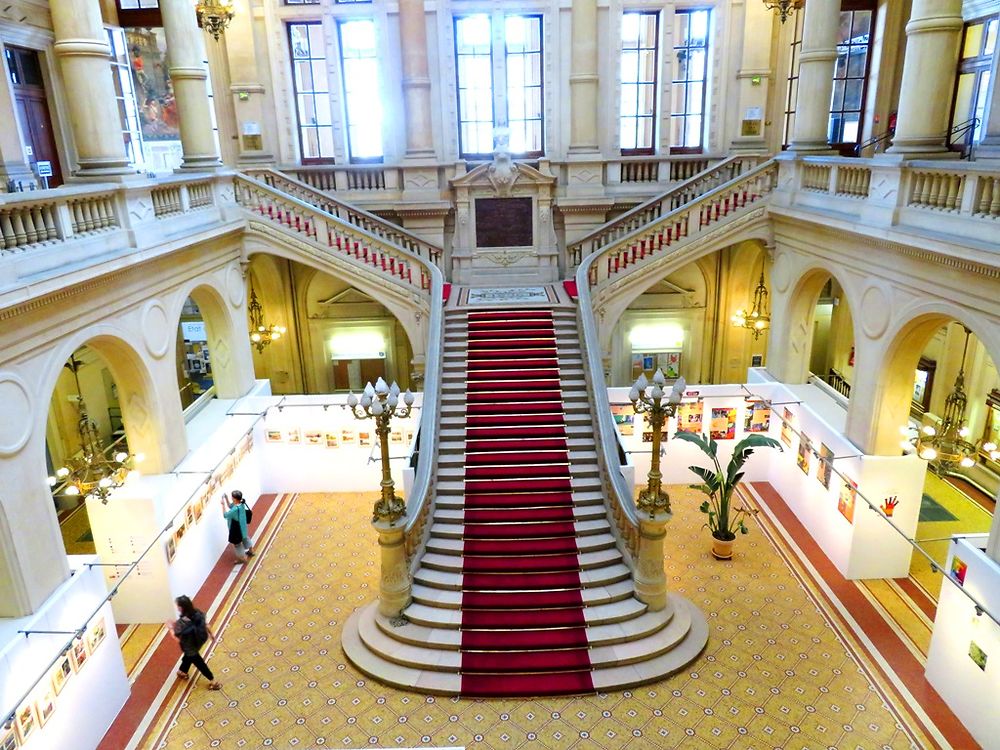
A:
[93,471]
[260,334]
[784,7]
[947,445]
[757,320]
[215,15]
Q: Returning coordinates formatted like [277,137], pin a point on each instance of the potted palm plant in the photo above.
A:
[719,484]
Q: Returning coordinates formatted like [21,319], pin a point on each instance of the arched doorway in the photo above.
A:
[194,362]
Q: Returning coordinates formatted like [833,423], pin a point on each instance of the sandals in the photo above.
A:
[183,675]
[215,685]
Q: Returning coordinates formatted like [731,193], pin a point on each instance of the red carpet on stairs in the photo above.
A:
[523,623]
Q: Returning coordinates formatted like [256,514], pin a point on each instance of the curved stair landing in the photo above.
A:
[521,590]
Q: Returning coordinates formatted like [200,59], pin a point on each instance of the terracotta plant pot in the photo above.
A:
[722,549]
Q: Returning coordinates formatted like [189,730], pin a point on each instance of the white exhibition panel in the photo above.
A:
[963,664]
[96,689]
[857,539]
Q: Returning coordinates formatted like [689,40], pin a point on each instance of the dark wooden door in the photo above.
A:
[33,109]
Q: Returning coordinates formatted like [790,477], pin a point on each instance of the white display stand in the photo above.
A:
[232,447]
[970,690]
[864,546]
[91,696]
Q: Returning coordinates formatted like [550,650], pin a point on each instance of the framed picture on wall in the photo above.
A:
[804,457]
[314,437]
[758,417]
[723,425]
[624,416]
[95,636]
[786,427]
[26,722]
[332,440]
[45,706]
[396,437]
[756,360]
[348,437]
[170,546]
[274,436]
[364,438]
[410,434]
[294,436]
[8,738]
[690,415]
[60,673]
[848,494]
[825,470]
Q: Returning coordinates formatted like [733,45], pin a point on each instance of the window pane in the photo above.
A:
[362,93]
[963,98]
[308,52]
[852,95]
[991,37]
[523,53]
[474,70]
[640,33]
[859,60]
[973,40]
[690,77]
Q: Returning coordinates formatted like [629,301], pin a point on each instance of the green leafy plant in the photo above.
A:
[719,484]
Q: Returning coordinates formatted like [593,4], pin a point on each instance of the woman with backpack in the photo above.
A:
[191,631]
[237,515]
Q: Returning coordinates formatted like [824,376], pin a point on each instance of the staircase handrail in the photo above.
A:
[359,217]
[653,208]
[427,289]
[623,508]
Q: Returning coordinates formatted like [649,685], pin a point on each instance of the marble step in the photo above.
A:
[586,560]
[428,669]
[572,430]
[577,484]
[443,529]
[442,545]
[448,515]
[452,599]
[503,458]
[450,579]
[598,614]
[457,445]
[584,498]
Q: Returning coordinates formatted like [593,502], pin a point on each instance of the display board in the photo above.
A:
[819,473]
[963,663]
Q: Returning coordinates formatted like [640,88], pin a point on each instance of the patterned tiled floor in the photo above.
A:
[775,674]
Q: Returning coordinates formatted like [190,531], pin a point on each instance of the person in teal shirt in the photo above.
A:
[239,534]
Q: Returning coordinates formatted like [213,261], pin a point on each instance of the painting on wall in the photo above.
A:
[396,437]
[958,570]
[848,494]
[624,416]
[45,706]
[26,722]
[690,415]
[96,634]
[977,655]
[8,738]
[60,673]
[786,427]
[364,438]
[804,457]
[332,440]
[348,437]
[314,437]
[154,91]
[274,436]
[171,547]
[825,471]
[758,417]
[723,424]
[294,436]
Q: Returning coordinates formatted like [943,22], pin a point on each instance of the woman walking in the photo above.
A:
[191,631]
[236,517]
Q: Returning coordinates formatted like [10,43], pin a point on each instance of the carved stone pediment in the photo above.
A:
[502,177]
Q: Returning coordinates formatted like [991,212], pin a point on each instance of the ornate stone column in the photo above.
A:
[394,586]
[189,76]
[933,35]
[84,59]
[816,64]
[416,80]
[650,578]
[583,77]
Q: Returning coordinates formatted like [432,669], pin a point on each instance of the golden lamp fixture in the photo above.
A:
[757,320]
[214,16]
[784,7]
[261,334]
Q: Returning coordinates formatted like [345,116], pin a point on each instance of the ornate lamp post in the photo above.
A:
[653,499]
[653,503]
[381,402]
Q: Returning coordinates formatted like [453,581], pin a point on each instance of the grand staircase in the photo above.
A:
[522,589]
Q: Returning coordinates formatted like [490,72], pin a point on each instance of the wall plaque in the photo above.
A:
[503,222]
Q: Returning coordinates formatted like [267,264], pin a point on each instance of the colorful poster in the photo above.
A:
[154,91]
[670,364]
[805,454]
[364,438]
[786,427]
[723,425]
[848,494]
[332,440]
[647,436]
[958,570]
[273,436]
[825,471]
[758,417]
[977,655]
[624,416]
[690,415]
[26,722]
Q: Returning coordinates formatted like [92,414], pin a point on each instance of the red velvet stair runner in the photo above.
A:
[523,627]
